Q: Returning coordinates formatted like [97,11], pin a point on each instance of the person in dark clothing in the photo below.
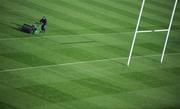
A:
[43,22]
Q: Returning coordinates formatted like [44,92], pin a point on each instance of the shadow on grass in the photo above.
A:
[13,26]
[18,27]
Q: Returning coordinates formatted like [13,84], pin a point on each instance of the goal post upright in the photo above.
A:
[148,31]
[135,34]
[169,30]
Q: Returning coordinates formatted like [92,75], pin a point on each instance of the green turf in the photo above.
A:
[80,62]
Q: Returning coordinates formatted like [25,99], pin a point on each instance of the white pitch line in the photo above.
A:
[82,62]
[150,31]
[145,31]
[162,30]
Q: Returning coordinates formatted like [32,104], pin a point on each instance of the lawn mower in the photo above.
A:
[31,28]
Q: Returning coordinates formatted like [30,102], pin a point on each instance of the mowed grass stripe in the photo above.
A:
[81,13]
[6,106]
[28,59]
[73,19]
[123,11]
[103,13]
[150,14]
[154,15]
[101,10]
[150,7]
[119,11]
[78,76]
[47,93]
[19,99]
[166,4]
[95,16]
[48,56]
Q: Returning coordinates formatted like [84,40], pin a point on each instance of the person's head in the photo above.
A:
[43,17]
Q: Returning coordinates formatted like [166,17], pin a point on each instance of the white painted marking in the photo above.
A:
[149,31]
[145,31]
[82,62]
[162,30]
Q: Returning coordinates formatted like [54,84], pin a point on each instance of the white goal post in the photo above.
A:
[147,31]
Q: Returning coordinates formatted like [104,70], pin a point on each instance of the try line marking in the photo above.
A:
[82,62]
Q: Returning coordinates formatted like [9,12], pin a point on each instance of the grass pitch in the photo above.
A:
[80,63]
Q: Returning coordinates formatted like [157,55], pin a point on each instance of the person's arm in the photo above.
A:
[41,21]
[46,21]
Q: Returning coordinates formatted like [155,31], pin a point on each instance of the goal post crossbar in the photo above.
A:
[148,31]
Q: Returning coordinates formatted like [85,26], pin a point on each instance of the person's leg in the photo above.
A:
[44,28]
